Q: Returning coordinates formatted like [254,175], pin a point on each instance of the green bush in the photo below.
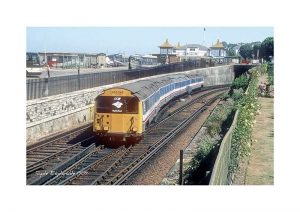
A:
[240,82]
[248,107]
[268,68]
[219,115]
[207,144]
[263,68]
[237,94]
[270,73]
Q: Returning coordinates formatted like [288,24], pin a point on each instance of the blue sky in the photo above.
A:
[131,40]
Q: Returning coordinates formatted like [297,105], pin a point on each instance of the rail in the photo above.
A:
[60,136]
[93,167]
[123,175]
[63,158]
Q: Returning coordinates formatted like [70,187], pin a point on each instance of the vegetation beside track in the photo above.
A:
[246,103]
[270,71]
[243,97]
[209,144]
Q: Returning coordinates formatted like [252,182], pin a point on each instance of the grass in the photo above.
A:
[260,170]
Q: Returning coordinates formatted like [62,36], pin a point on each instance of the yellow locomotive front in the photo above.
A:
[118,116]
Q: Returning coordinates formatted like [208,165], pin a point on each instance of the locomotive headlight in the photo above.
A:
[134,129]
[105,128]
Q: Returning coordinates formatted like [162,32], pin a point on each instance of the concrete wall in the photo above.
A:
[52,114]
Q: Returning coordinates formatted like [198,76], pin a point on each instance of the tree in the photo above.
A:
[267,48]
[246,51]
[230,49]
[224,44]
[256,49]
[231,45]
[231,52]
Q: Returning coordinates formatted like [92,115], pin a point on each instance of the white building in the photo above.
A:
[179,50]
[190,51]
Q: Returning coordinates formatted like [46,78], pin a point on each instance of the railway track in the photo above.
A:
[115,168]
[90,167]
[87,163]
[49,166]
[50,146]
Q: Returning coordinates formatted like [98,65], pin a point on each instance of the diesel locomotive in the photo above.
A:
[122,113]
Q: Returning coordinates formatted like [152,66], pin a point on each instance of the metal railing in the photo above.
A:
[43,87]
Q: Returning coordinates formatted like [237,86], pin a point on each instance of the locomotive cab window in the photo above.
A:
[113,104]
[131,105]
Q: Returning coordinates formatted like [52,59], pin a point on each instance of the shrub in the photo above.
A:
[192,173]
[219,115]
[241,138]
[237,94]
[270,71]
[240,82]
[268,68]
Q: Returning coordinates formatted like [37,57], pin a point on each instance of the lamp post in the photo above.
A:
[204,29]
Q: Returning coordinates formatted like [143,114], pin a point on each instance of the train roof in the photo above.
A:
[144,88]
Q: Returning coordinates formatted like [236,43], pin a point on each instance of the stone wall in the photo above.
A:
[52,114]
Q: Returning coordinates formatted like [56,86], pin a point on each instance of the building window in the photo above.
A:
[192,49]
[164,51]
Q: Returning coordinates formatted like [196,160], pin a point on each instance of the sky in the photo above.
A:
[133,40]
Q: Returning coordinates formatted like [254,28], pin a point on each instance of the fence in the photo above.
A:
[37,88]
[220,170]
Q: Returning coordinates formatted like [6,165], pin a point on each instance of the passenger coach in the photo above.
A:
[122,113]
